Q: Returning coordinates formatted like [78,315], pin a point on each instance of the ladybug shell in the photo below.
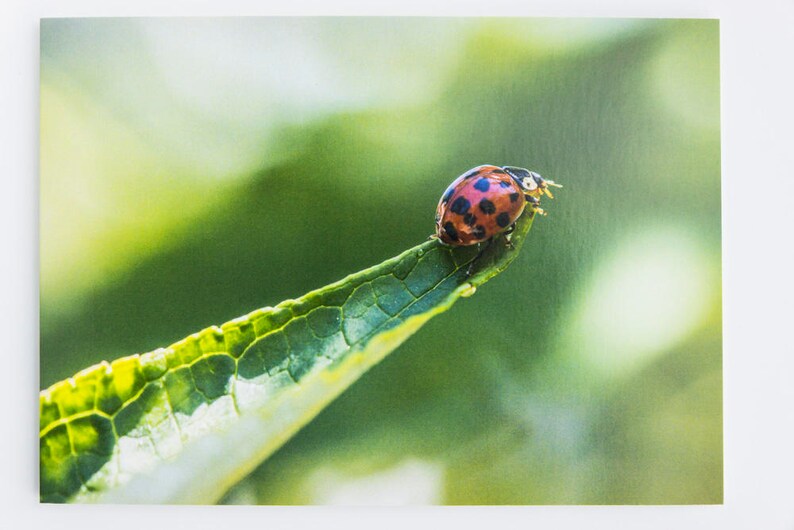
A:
[479,204]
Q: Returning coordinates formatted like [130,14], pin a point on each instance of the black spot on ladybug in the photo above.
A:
[503,219]
[449,228]
[470,219]
[448,194]
[504,184]
[487,207]
[499,172]
[460,205]
[471,173]
[478,232]
[514,197]
[482,185]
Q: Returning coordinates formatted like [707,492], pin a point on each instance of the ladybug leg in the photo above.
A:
[546,188]
[534,204]
[478,256]
[510,230]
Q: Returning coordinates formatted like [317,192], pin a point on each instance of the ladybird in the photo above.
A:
[486,201]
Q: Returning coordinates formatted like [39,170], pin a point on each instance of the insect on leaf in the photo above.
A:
[182,424]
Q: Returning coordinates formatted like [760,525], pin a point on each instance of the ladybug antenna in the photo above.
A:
[543,184]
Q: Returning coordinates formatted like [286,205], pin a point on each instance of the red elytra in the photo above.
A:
[486,201]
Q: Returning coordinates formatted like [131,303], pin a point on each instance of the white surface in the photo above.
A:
[758,163]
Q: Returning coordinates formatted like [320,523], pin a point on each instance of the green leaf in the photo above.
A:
[184,423]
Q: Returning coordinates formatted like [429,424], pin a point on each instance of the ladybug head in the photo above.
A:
[533,183]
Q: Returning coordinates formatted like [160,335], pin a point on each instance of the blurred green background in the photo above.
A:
[195,169]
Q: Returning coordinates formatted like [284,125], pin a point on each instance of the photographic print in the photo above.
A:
[380,261]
